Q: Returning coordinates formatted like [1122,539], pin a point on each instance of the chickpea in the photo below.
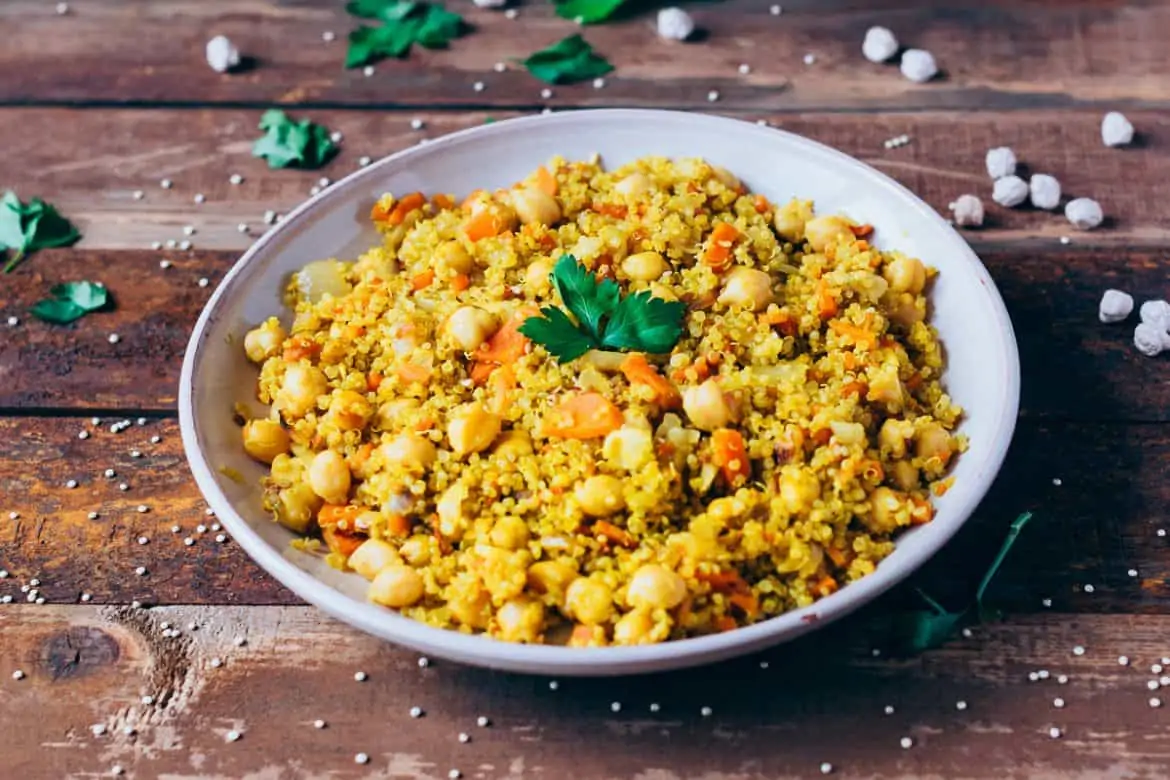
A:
[747,287]
[296,506]
[265,439]
[823,232]
[472,428]
[453,258]
[396,586]
[790,220]
[885,387]
[888,511]
[513,444]
[552,577]
[329,476]
[299,390]
[893,435]
[264,341]
[634,185]
[509,532]
[905,274]
[904,475]
[633,628]
[798,488]
[390,414]
[933,442]
[644,266]
[372,556]
[535,206]
[350,410]
[416,550]
[600,495]
[629,447]
[470,326]
[536,278]
[450,509]
[662,292]
[656,587]
[706,406]
[589,601]
[520,620]
[410,452]
[726,177]
[908,311]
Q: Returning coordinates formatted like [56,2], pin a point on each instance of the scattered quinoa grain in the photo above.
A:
[1155,702]
[1116,130]
[1054,732]
[1115,306]
[675,24]
[918,65]
[483,721]
[879,45]
[1009,191]
[1000,162]
[416,712]
[615,706]
[906,743]
[360,676]
[713,96]
[233,736]
[705,712]
[18,675]
[361,758]
[1078,650]
[1084,213]
[967,211]
[319,724]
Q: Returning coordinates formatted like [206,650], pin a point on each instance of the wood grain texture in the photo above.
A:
[1074,368]
[128,150]
[820,699]
[1093,528]
[994,55]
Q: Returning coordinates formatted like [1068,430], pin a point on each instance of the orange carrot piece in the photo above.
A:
[583,416]
[747,602]
[731,456]
[545,181]
[425,424]
[922,513]
[862,231]
[717,255]
[615,210]
[411,372]
[460,282]
[359,458]
[341,543]
[826,303]
[398,525]
[480,372]
[334,515]
[724,581]
[374,381]
[859,335]
[639,371]
[443,201]
[408,204]
[837,556]
[619,536]
[423,280]
[725,623]
[481,224]
[299,347]
[507,344]
[825,585]
[761,204]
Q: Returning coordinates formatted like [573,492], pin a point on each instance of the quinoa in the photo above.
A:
[416,434]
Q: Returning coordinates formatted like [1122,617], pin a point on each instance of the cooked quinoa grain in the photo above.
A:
[795,429]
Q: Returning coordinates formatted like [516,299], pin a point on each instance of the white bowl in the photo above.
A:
[982,373]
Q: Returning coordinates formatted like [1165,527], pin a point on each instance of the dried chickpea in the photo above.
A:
[706,406]
[470,326]
[409,451]
[396,586]
[933,442]
[520,620]
[600,495]
[535,207]
[265,439]
[799,488]
[390,414]
[329,476]
[472,428]
[656,587]
[264,341]
[299,390]
[372,556]
[905,274]
[416,550]
[589,601]
[350,410]
[296,506]
[551,577]
[644,266]
[887,505]
[509,532]
[747,287]
[452,257]
[634,628]
[823,232]
[634,185]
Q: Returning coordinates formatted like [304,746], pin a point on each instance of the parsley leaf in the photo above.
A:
[25,228]
[588,299]
[288,143]
[404,23]
[558,334]
[588,11]
[71,301]
[566,61]
[644,323]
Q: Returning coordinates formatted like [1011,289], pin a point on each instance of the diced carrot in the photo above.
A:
[862,231]
[717,255]
[914,382]
[615,210]
[460,282]
[730,455]
[423,280]
[335,515]
[761,204]
[359,458]
[299,347]
[471,198]
[443,201]
[583,416]
[849,361]
[860,388]
[412,372]
[425,424]
[545,181]
[373,381]
[501,383]
[940,488]
[341,543]
[872,470]
[725,623]
[480,372]
[724,581]
[354,331]
[586,636]
[821,436]
[826,303]
[639,371]
[398,525]
[747,602]
[408,204]
[701,367]
[861,245]
[481,224]
[922,512]
[860,336]
[837,556]
[825,585]
[619,536]
[507,344]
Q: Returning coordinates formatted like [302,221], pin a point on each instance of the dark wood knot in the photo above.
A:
[78,651]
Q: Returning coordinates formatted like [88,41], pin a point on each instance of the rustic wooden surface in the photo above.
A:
[115,96]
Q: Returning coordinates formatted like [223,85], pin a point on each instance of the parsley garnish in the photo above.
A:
[286,142]
[925,629]
[25,228]
[71,301]
[566,61]
[604,319]
[404,23]
[588,11]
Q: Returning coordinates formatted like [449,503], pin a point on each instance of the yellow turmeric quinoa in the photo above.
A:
[481,484]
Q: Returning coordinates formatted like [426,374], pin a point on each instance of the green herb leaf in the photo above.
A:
[558,334]
[566,61]
[587,299]
[289,143]
[588,11]
[405,23]
[25,228]
[644,323]
[71,301]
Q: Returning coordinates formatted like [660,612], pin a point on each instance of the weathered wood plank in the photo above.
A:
[1094,527]
[91,162]
[1074,367]
[994,54]
[85,666]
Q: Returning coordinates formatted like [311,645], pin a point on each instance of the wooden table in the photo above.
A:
[115,96]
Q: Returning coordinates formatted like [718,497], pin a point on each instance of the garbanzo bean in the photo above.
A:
[452,257]
[656,587]
[513,444]
[887,506]
[409,451]
[600,495]
[747,287]
[706,406]
[799,488]
[296,506]
[300,389]
[372,556]
[644,266]
[589,601]
[391,413]
[933,442]
[470,326]
[520,620]
[416,550]
[509,532]
[397,586]
[791,218]
[905,274]
[350,410]
[264,341]
[823,232]
[535,207]
[634,185]
[551,577]
[633,628]
[472,428]
[329,476]
[265,439]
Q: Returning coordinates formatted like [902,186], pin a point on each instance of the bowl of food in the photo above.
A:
[600,392]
